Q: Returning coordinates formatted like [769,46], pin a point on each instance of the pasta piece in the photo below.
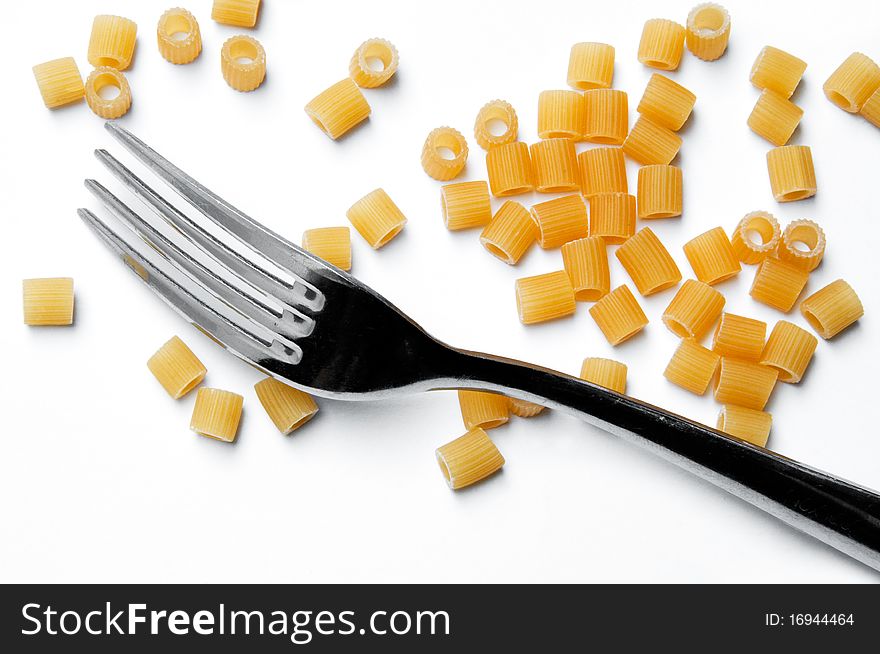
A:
[176,367]
[586,262]
[216,414]
[469,459]
[59,82]
[757,224]
[789,351]
[591,66]
[239,13]
[694,309]
[107,108]
[484,410]
[792,176]
[776,70]
[870,111]
[778,284]
[738,337]
[692,367]
[560,220]
[510,233]
[650,143]
[288,408]
[48,301]
[607,119]
[747,424]
[510,169]
[556,166]
[774,118]
[373,50]
[243,63]
[602,170]
[332,244]
[561,114]
[832,309]
[178,35]
[466,205]
[339,108]
[524,408]
[544,297]
[376,218]
[662,44]
[441,141]
[619,315]
[613,216]
[666,103]
[660,191]
[648,262]
[112,42]
[708,31]
[492,113]
[744,383]
[850,86]
[712,257]
[606,373]
[807,233]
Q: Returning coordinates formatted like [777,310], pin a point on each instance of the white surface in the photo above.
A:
[100,477]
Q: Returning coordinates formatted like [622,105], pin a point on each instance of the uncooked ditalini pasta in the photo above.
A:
[606,373]
[239,13]
[778,284]
[561,114]
[739,337]
[466,205]
[789,351]
[747,424]
[744,240]
[774,118]
[607,119]
[694,309]
[332,244]
[484,410]
[112,42]
[666,103]
[243,63]
[560,220]
[524,408]
[494,113]
[288,408]
[176,367]
[376,218]
[792,176]
[870,111]
[586,262]
[744,383]
[59,82]
[777,70]
[692,367]
[469,459]
[177,33]
[613,216]
[440,142]
[660,192]
[372,51]
[510,232]
[662,44]
[832,309]
[339,108]
[650,143]
[619,315]
[107,108]
[850,86]
[648,262]
[712,257]
[708,31]
[509,167]
[591,66]
[808,234]
[556,166]
[544,297]
[602,170]
[48,301]
[216,414]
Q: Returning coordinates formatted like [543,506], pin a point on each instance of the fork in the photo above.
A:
[311,325]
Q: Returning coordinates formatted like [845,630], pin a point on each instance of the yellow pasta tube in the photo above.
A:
[850,86]
[586,262]
[178,36]
[112,108]
[832,309]
[287,407]
[789,351]
[524,408]
[607,116]
[440,142]
[606,373]
[510,169]
[176,367]
[694,309]
[708,31]
[666,103]
[494,113]
[510,233]
[484,410]
[613,216]
[792,176]
[339,108]
[870,111]
[591,66]
[650,143]
[619,315]
[239,13]
[712,257]
[662,44]
[739,337]
[692,367]
[332,244]
[747,424]
[544,297]
[360,67]
[469,459]
[112,42]
[376,218]
[243,63]
[556,166]
[602,170]
[59,82]
[777,71]
[216,414]
[778,284]
[755,225]
[560,220]
[648,262]
[744,383]
[807,233]
[774,118]
[660,191]
[561,114]
[48,301]
[465,205]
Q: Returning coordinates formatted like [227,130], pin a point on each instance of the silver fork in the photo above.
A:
[309,324]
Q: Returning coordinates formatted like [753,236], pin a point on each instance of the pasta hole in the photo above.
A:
[178,28]
[838,99]
[110,62]
[394,232]
[497,127]
[677,328]
[445,152]
[243,52]
[799,194]
[755,237]
[801,246]
[497,251]
[815,323]
[107,87]
[447,475]
[709,18]
[375,64]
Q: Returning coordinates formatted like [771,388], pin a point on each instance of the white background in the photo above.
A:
[100,477]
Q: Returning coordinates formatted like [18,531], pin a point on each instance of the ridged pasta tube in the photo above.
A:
[660,191]
[176,368]
[745,246]
[111,108]
[174,49]
[662,44]
[602,170]
[607,116]
[332,244]
[586,262]
[48,301]
[376,218]
[832,309]
[484,410]
[434,162]
[708,31]
[777,71]
[619,315]
[650,143]
[469,459]
[648,262]
[216,414]
[789,350]
[792,176]
[238,13]
[666,102]
[591,66]
[544,297]
[850,86]
[339,108]
[606,373]
[60,82]
[510,233]
[694,309]
[778,284]
[112,42]
[712,257]
[692,366]
[361,70]
[287,407]
[491,112]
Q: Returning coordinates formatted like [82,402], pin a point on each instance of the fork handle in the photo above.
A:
[835,511]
